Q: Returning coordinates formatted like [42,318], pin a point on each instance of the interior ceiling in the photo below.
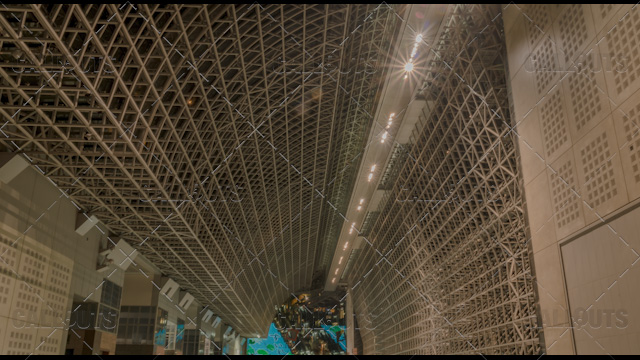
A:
[220,140]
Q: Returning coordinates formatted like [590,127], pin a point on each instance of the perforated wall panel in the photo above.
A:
[34,296]
[587,140]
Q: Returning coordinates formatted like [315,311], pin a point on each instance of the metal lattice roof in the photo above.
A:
[215,138]
[445,269]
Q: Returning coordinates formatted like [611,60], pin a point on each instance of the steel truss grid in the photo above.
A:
[448,271]
[187,108]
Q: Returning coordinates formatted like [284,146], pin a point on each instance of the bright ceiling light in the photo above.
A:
[336,273]
[408,67]
[419,38]
[370,177]
[361,201]
[333,280]
[373,168]
[359,207]
[340,261]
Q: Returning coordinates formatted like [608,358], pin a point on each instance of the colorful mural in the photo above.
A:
[274,344]
[161,337]
[337,334]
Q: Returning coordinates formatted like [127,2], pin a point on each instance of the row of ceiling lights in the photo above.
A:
[361,203]
[408,68]
[386,133]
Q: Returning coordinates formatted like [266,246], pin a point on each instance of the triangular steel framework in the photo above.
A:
[448,272]
[211,137]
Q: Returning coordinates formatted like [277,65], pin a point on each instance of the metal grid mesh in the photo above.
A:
[208,135]
[449,272]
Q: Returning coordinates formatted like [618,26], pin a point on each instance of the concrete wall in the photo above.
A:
[603,288]
[137,290]
[45,264]
[100,343]
[575,76]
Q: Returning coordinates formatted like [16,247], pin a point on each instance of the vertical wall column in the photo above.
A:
[216,348]
[350,323]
